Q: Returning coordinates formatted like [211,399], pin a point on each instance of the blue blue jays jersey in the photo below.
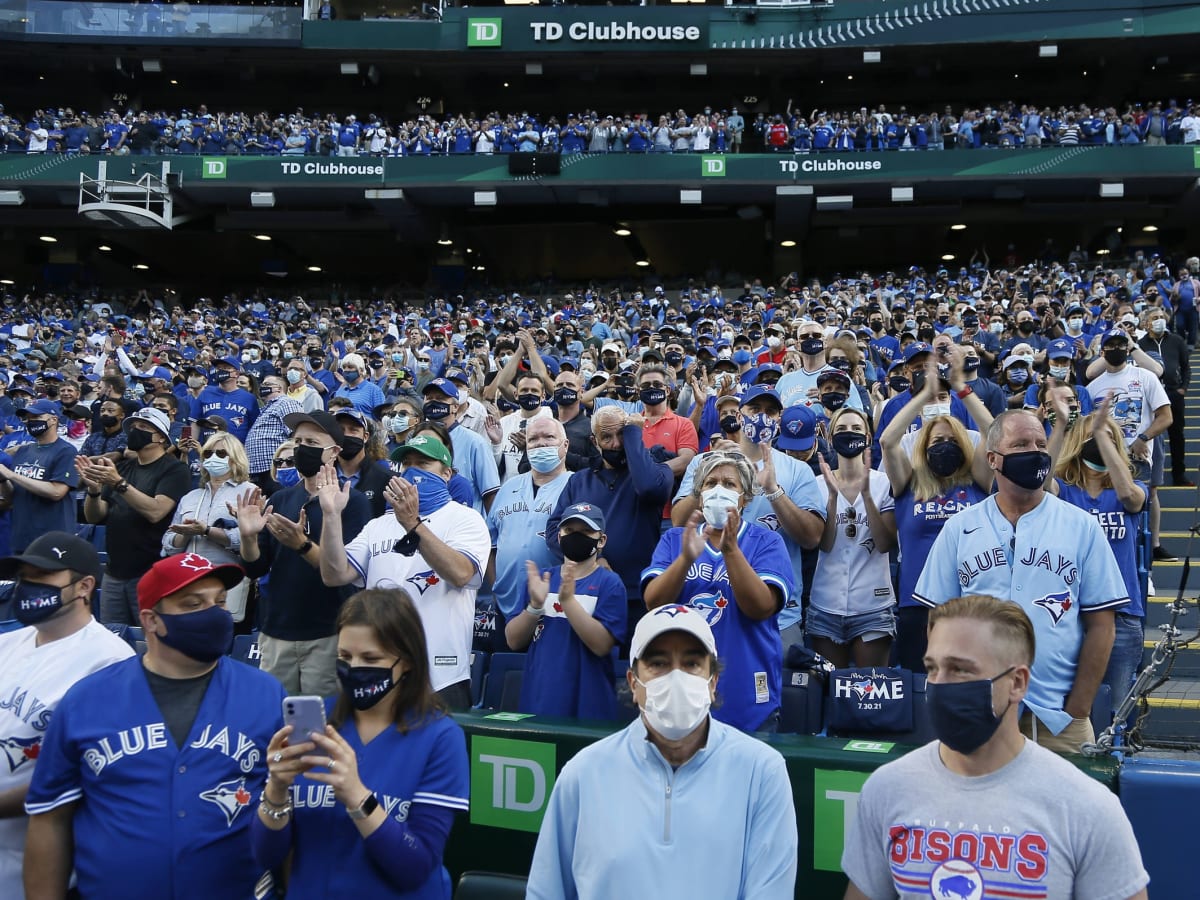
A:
[239,408]
[153,820]
[562,676]
[1121,529]
[749,648]
[426,765]
[798,481]
[517,522]
[1056,564]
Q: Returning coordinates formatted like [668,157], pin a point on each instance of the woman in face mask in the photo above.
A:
[934,472]
[738,574]
[389,741]
[574,615]
[283,465]
[849,615]
[1015,378]
[356,386]
[399,424]
[1095,474]
[202,522]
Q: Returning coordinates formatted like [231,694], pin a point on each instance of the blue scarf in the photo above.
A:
[433,491]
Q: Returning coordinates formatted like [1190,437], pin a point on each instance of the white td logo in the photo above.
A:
[504,783]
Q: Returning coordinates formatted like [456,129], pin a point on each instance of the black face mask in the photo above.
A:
[529,402]
[137,439]
[849,444]
[674,359]
[898,384]
[812,346]
[834,400]
[730,424]
[652,396]
[926,334]
[840,363]
[309,460]
[609,363]
[364,686]
[1027,470]
[615,458]
[944,458]
[34,603]
[1116,356]
[1025,327]
[1090,454]
[351,447]
[918,381]
[436,410]
[877,324]
[577,546]
[566,396]
[37,427]
[107,422]
[971,364]
[626,392]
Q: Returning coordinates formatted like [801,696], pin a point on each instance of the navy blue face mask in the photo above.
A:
[1027,470]
[205,635]
[364,686]
[961,712]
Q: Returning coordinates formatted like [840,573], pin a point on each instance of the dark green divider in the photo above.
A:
[514,761]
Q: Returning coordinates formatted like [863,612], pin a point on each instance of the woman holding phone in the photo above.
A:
[364,809]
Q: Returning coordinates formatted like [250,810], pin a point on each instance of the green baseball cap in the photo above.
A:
[425,445]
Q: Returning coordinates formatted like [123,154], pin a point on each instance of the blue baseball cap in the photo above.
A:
[588,513]
[916,348]
[1112,334]
[1060,348]
[760,390]
[39,408]
[797,429]
[447,387]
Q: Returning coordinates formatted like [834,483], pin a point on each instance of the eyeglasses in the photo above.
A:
[216,451]
[851,523]
[285,462]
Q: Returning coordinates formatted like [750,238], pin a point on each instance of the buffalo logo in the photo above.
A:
[20,751]
[423,581]
[1058,605]
[712,606]
[195,562]
[956,879]
[231,796]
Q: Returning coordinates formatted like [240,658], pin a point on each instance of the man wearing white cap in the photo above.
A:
[674,780]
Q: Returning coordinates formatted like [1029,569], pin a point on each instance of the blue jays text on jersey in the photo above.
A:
[997,557]
[318,796]
[27,708]
[141,738]
[540,507]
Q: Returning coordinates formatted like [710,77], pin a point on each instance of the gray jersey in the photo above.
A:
[1037,828]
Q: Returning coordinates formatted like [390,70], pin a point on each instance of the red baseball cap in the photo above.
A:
[176,572]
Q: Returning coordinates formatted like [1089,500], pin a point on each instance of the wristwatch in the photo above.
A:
[1143,439]
[966,392]
[369,805]
[122,487]
[305,547]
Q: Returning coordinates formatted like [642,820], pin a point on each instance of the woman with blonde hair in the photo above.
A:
[202,523]
[934,472]
[1095,474]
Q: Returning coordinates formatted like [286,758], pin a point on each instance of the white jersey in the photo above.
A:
[1136,394]
[508,457]
[447,612]
[32,681]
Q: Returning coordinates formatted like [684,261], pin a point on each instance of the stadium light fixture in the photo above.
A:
[690,198]
[1048,51]
[444,240]
[533,68]
[151,65]
[11,198]
[872,56]
[141,267]
[1112,190]
[698,69]
[314,268]
[902,195]
[958,227]
[642,262]
[348,68]
[48,238]
[1103,251]
[947,257]
[836,201]
[104,248]
[485,198]
[262,237]
[7,281]
[262,199]
[622,231]
[787,243]
[1149,229]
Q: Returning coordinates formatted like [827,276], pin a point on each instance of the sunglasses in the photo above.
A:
[224,454]
[285,462]
[851,523]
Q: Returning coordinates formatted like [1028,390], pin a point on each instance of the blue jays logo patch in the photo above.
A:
[712,606]
[770,521]
[19,751]
[672,610]
[230,796]
[423,581]
[1057,605]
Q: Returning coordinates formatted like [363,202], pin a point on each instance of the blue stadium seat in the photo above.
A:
[246,649]
[497,676]
[627,709]
[139,647]
[1145,551]
[479,664]
[922,730]
[1103,708]
[133,634]
[121,631]
[510,696]
[802,704]
[95,535]
[490,886]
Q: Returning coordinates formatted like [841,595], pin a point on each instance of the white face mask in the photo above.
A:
[929,410]
[717,501]
[1075,323]
[1158,326]
[1060,372]
[774,341]
[399,424]
[676,703]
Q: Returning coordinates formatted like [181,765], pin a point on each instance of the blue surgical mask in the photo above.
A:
[741,357]
[1018,376]
[287,477]
[544,459]
[351,375]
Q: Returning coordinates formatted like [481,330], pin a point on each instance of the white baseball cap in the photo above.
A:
[672,617]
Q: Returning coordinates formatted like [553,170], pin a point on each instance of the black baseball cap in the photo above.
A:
[55,551]
[323,420]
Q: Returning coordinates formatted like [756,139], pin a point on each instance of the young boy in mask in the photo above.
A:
[574,615]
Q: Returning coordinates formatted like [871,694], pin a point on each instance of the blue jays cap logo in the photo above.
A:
[230,796]
[19,751]
[672,610]
[1057,605]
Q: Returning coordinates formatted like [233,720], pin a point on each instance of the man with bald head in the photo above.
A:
[630,488]
[520,510]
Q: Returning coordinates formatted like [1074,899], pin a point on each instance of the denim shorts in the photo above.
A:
[843,629]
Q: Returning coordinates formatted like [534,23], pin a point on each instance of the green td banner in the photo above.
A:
[510,782]
[835,799]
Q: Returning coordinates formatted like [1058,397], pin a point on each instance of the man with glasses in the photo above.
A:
[39,482]
[135,499]
[269,430]
[306,395]
[298,613]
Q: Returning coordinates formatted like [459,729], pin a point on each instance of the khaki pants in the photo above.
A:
[304,667]
[1068,741]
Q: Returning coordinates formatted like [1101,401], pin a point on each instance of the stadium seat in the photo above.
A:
[1145,552]
[490,886]
[121,631]
[922,730]
[246,649]
[495,680]
[627,710]
[96,536]
[139,647]
[802,704]
[510,696]
[133,634]
[479,664]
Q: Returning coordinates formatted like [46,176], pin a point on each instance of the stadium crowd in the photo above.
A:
[577,476]
[1007,125]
